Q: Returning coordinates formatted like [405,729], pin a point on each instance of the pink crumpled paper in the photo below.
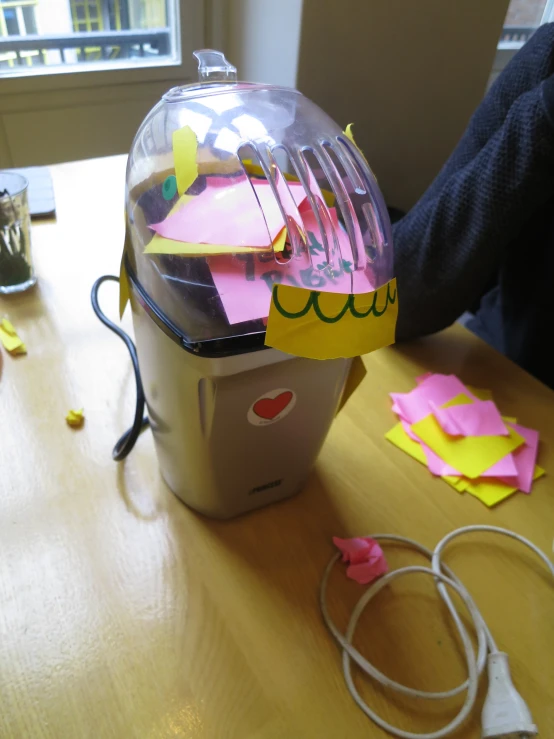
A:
[366,559]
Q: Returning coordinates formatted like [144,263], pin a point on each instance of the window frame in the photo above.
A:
[508,49]
[190,27]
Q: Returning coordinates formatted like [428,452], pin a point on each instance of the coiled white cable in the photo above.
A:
[444,578]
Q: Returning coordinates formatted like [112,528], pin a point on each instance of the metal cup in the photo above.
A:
[16,267]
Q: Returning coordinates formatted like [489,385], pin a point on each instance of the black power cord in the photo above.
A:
[140,422]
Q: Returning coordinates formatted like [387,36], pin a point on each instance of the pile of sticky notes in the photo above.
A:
[11,342]
[458,432]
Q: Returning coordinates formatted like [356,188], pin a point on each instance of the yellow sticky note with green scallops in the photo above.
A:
[470,455]
[322,325]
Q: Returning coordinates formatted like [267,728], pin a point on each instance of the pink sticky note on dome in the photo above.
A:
[366,558]
[231,212]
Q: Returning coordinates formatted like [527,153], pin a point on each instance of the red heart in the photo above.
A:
[269,408]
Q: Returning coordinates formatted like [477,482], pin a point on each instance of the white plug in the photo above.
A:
[505,713]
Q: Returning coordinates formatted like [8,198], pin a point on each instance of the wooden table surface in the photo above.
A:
[124,614]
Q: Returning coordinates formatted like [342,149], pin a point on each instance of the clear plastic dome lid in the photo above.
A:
[233,187]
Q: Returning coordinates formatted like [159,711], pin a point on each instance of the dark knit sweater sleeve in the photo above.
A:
[452,243]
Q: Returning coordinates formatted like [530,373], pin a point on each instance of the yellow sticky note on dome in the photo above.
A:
[161,245]
[185,147]
[10,339]
[491,491]
[75,418]
[470,455]
[322,325]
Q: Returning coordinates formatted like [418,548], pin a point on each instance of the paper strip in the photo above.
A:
[327,325]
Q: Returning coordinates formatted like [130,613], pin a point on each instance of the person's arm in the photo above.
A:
[451,244]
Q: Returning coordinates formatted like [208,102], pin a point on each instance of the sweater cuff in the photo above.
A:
[548,98]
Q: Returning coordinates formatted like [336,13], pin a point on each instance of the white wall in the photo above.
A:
[408,73]
[263,39]
[77,115]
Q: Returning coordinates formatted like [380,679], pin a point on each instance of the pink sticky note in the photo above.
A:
[245,282]
[366,558]
[480,418]
[525,458]
[436,465]
[227,212]
[437,389]
[506,467]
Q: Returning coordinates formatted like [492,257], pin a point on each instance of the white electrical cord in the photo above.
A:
[444,577]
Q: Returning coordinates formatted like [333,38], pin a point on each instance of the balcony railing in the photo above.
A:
[515,36]
[100,45]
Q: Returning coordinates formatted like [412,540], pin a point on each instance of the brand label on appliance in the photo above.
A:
[271,407]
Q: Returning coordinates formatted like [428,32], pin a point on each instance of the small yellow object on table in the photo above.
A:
[9,338]
[75,419]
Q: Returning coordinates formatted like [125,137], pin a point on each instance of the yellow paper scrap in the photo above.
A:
[161,245]
[397,436]
[75,419]
[185,147]
[349,135]
[124,288]
[461,399]
[321,325]
[355,376]
[400,439]
[458,483]
[491,491]
[480,392]
[9,338]
[470,455]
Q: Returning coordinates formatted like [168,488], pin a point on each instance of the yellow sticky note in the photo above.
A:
[349,135]
[491,491]
[400,438]
[124,288]
[185,147]
[458,483]
[9,338]
[470,455]
[161,245]
[480,392]
[319,325]
[355,376]
[461,399]
[75,418]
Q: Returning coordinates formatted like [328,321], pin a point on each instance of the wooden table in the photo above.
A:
[124,614]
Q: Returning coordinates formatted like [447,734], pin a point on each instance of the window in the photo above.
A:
[522,19]
[45,36]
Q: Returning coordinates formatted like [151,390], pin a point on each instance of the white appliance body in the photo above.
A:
[234,433]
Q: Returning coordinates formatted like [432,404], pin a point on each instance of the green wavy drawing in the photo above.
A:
[313,301]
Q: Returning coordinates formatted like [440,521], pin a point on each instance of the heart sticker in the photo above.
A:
[271,407]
